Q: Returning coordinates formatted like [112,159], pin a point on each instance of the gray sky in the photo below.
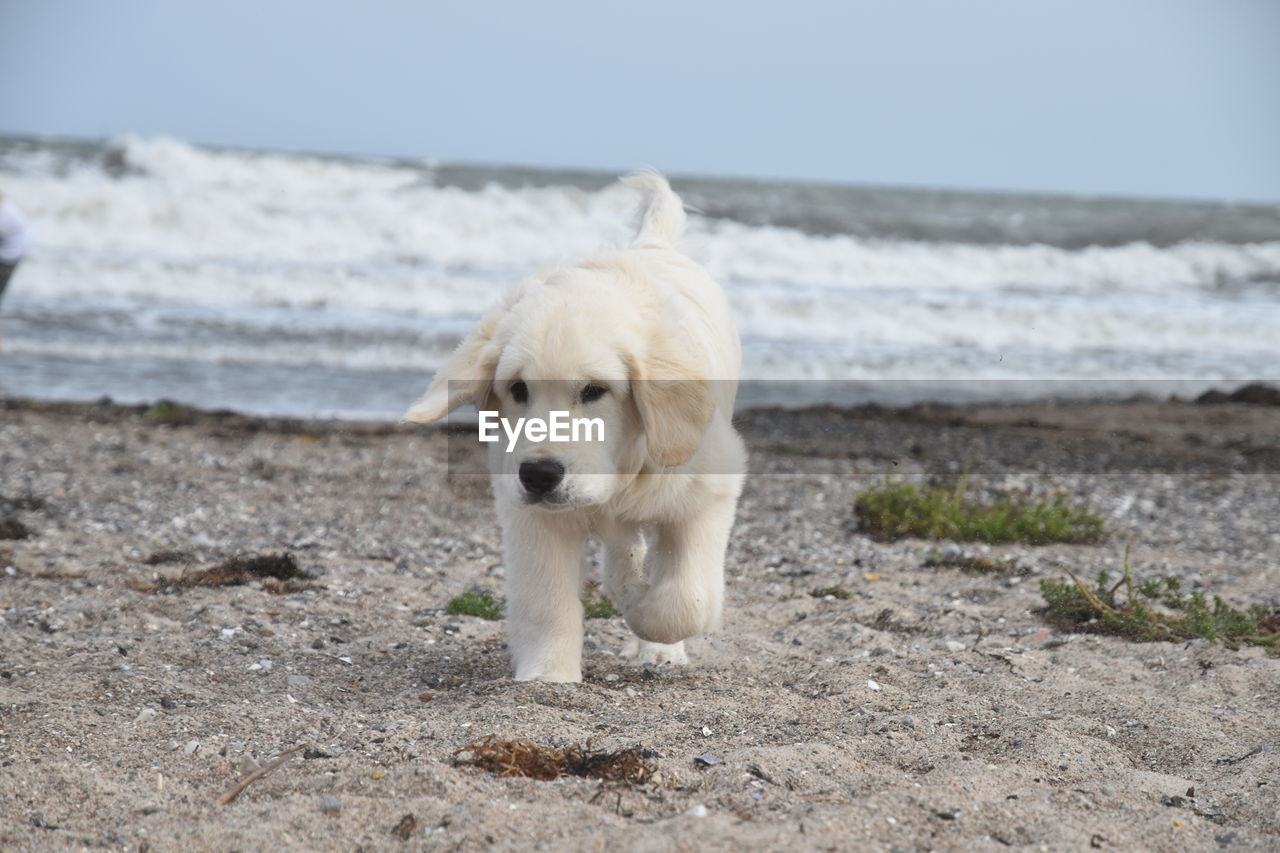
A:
[1135,97]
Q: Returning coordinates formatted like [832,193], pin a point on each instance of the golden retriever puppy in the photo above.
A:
[643,341]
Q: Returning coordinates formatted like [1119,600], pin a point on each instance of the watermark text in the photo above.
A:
[559,426]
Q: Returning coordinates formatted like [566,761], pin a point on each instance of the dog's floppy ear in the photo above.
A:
[674,398]
[465,378]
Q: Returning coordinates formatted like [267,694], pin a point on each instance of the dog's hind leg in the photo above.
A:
[544,614]
[642,652]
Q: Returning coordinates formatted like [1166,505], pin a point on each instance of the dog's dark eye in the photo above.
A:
[593,392]
[520,392]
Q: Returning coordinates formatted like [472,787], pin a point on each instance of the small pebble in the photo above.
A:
[631,691]
[297,681]
[955,646]
[330,805]
[191,747]
[146,715]
[706,760]
[872,684]
[378,773]
[613,676]
[697,811]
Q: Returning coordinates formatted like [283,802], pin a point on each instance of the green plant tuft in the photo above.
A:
[484,605]
[598,607]
[897,510]
[169,412]
[1157,610]
[476,603]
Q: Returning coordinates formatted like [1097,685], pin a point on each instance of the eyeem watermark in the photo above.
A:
[559,427]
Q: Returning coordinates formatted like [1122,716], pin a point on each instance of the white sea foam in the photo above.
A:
[233,258]
[312,222]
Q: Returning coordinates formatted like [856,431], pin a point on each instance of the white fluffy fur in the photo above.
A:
[661,491]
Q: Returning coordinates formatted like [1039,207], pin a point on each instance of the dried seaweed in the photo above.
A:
[278,573]
[969,563]
[524,758]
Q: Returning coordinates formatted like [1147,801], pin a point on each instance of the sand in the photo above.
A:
[930,710]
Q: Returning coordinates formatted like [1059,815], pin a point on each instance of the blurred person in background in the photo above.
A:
[15,237]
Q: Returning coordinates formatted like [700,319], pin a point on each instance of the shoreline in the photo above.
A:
[1238,431]
[1255,393]
[911,395]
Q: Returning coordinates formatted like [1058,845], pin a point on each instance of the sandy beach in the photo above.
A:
[929,710]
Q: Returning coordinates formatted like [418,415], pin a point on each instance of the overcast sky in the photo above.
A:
[1135,97]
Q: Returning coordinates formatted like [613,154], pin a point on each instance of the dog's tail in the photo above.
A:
[662,219]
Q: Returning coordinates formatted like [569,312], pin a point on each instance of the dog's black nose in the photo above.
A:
[542,476]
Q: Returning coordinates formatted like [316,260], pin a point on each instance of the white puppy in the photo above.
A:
[644,340]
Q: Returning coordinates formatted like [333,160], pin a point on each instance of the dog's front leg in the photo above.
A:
[543,556]
[624,583]
[685,575]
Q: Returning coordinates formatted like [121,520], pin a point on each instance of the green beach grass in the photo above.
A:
[484,605]
[1156,610]
[898,510]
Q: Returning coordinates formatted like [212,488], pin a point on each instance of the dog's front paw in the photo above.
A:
[642,652]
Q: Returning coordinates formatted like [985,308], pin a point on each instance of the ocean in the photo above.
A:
[326,286]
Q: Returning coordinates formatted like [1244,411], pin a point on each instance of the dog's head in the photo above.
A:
[585,348]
